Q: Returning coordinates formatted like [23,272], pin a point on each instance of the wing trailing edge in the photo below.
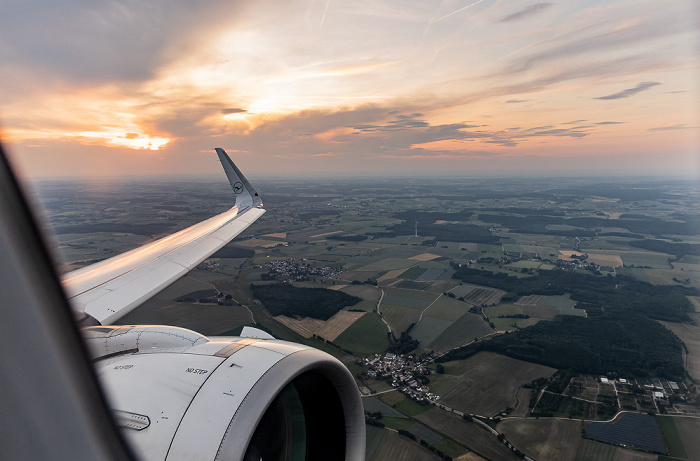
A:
[106,291]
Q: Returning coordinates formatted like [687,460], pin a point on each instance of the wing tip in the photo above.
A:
[237,180]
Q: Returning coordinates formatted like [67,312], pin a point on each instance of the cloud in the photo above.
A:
[630,91]
[609,39]
[233,110]
[458,11]
[608,123]
[670,128]
[516,101]
[104,40]
[525,12]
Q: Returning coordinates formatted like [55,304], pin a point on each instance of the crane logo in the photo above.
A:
[238,187]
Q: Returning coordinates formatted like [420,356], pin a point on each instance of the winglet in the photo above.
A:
[245,192]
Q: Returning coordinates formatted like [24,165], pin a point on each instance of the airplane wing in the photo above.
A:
[106,291]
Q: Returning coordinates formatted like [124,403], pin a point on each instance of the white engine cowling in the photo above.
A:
[182,396]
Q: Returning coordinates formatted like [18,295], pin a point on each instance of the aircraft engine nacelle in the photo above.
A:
[180,395]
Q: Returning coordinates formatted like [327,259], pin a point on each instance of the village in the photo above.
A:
[406,372]
[296,269]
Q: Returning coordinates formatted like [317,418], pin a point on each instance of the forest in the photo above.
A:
[317,303]
[617,343]
[620,293]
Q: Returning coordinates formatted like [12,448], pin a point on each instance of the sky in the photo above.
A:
[96,88]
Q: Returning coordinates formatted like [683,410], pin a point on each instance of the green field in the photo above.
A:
[544,439]
[409,294]
[488,386]
[564,304]
[413,302]
[399,317]
[560,302]
[672,439]
[494,312]
[388,264]
[463,331]
[368,335]
[646,259]
[397,423]
[412,273]
[590,450]
[373,404]
[463,290]
[423,433]
[525,264]
[512,324]
[183,286]
[411,408]
[447,308]
[364,291]
[428,329]
[450,448]
[383,444]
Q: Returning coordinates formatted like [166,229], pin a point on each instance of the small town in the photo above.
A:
[407,373]
[297,269]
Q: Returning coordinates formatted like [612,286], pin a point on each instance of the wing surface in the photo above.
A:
[108,290]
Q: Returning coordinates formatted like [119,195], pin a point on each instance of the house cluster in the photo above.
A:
[298,269]
[405,372]
[209,265]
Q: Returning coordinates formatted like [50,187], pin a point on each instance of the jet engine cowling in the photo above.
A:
[180,395]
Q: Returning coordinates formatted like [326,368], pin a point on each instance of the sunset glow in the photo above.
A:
[345,87]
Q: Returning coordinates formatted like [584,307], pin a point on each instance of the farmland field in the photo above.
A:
[484,296]
[462,331]
[503,309]
[646,259]
[689,428]
[468,434]
[541,311]
[207,319]
[510,324]
[423,433]
[431,274]
[364,337]
[690,335]
[490,387]
[428,329]
[563,303]
[544,439]
[529,300]
[183,286]
[387,264]
[411,408]
[412,273]
[383,444]
[399,317]
[624,454]
[605,260]
[447,308]
[411,295]
[671,436]
[373,404]
[366,292]
[590,450]
[450,448]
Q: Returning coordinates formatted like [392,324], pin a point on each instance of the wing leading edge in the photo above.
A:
[108,290]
